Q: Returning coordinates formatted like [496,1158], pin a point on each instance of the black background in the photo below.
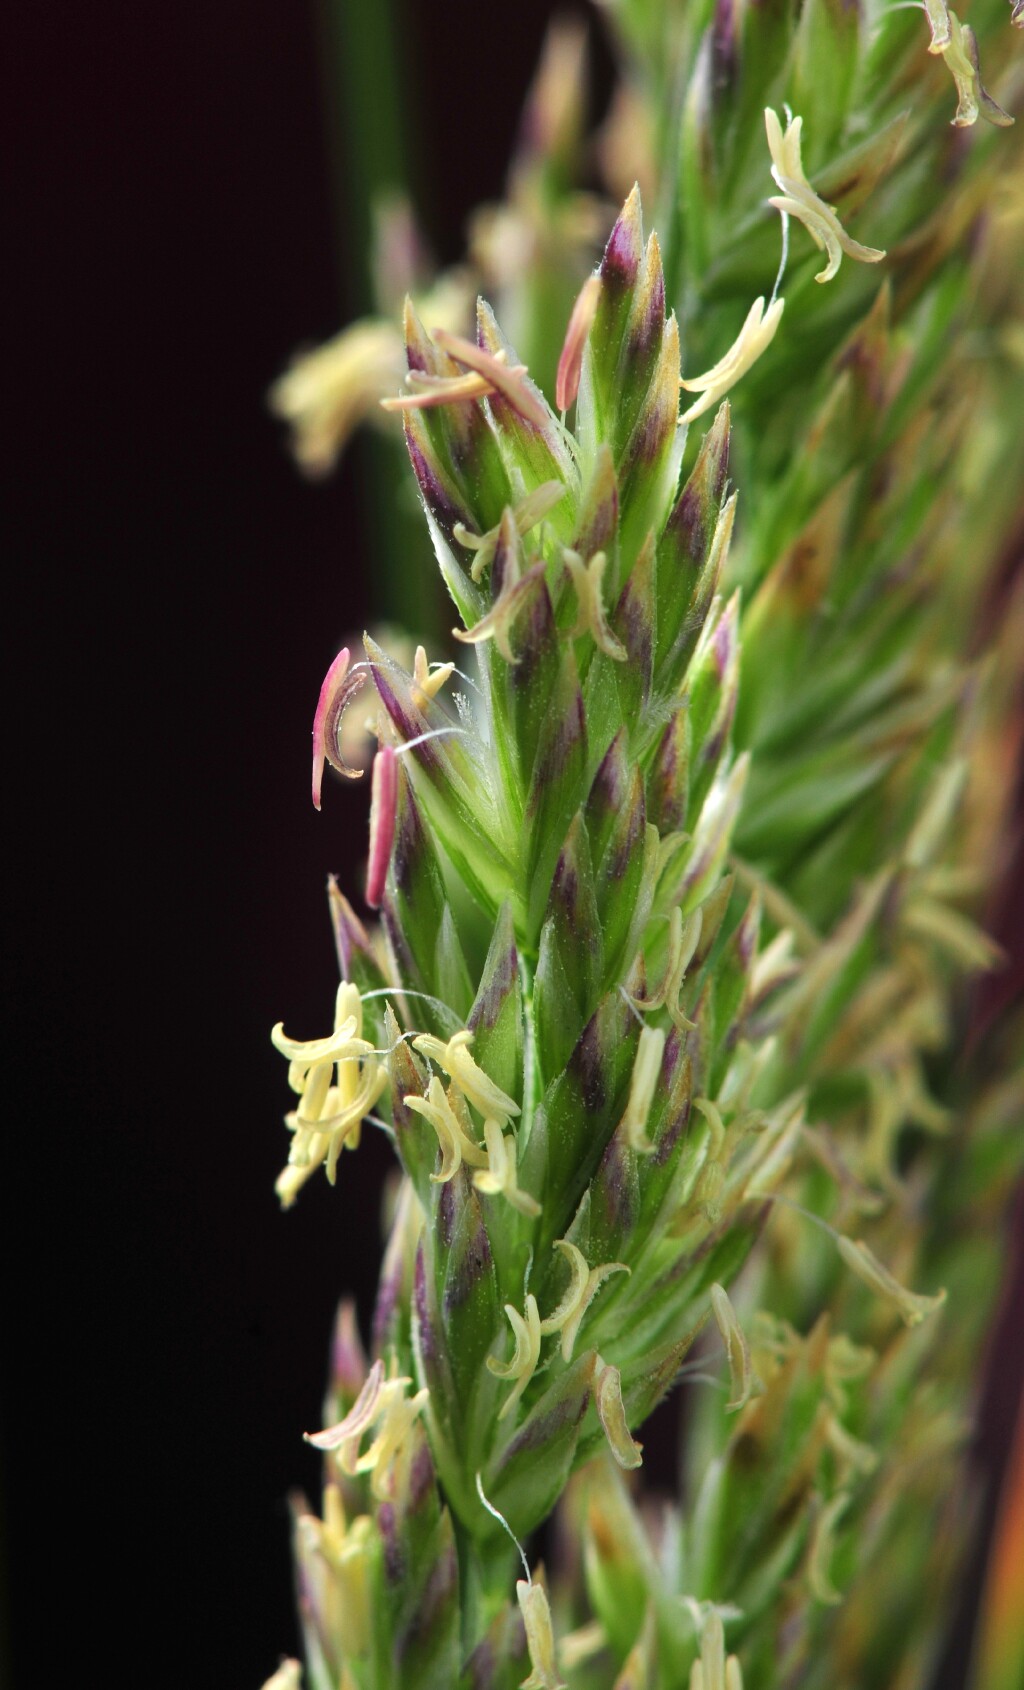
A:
[177,594]
[173,594]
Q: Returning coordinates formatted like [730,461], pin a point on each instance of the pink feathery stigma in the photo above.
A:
[338,688]
[383,806]
[581,321]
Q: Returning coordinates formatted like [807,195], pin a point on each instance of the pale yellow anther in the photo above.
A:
[800,200]
[583,1288]
[382,1403]
[303,1054]
[328,392]
[526,515]
[426,390]
[973,99]
[912,1305]
[611,1411]
[328,1116]
[426,683]
[586,580]
[398,1416]
[477,1087]
[642,1086]
[343,1548]
[755,336]
[741,1371]
[510,383]
[540,1638]
[714,1670]
[500,1177]
[683,939]
[456,1145]
[344,1437]
[526,1331]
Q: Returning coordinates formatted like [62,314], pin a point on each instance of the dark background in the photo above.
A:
[177,593]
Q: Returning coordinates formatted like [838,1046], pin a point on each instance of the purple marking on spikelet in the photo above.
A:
[587,1063]
[621,262]
[394,1559]
[350,936]
[748,931]
[409,726]
[421,1304]
[655,424]
[476,1263]
[724,642]
[533,630]
[648,316]
[433,489]
[633,621]
[566,885]
[715,743]
[571,729]
[447,1210]
[617,862]
[500,981]
[438,1592]
[692,522]
[389,1291]
[420,352]
[672,1131]
[409,842]
[654,316]
[618,1187]
[599,521]
[666,783]
[723,45]
[421,1475]
[608,792]
[505,565]
[348,1361]
[505,1641]
[536,1434]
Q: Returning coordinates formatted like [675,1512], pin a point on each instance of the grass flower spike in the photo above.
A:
[673,895]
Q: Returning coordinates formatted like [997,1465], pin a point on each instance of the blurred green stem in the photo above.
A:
[367,112]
